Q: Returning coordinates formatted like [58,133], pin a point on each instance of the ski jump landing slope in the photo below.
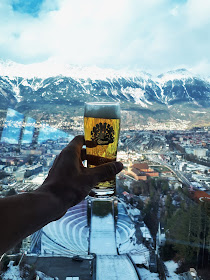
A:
[117,267]
[102,229]
[109,265]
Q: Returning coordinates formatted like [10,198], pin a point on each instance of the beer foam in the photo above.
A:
[105,110]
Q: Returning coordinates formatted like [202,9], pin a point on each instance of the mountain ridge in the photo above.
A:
[168,92]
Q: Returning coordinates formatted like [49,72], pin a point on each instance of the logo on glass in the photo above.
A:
[102,134]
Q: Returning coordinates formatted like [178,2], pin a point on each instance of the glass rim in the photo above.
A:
[109,110]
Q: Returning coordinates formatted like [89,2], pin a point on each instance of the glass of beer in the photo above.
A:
[102,129]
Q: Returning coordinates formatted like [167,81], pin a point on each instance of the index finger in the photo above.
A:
[77,143]
[105,171]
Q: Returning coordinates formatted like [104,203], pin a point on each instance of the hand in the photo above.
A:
[70,181]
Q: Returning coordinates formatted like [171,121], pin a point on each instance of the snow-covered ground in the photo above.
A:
[147,275]
[39,179]
[44,276]
[126,237]
[102,235]
[13,272]
[141,258]
[172,266]
[115,268]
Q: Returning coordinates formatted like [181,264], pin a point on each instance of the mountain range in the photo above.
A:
[175,94]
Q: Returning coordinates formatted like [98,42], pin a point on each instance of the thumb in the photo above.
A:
[106,171]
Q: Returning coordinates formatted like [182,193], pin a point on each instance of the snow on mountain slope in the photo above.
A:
[54,82]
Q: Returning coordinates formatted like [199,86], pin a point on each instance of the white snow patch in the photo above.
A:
[46,85]
[44,276]
[16,90]
[142,258]
[198,112]
[25,83]
[114,92]
[175,75]
[39,179]
[147,275]
[137,94]
[148,102]
[13,272]
[58,82]
[115,267]
[102,235]
[172,266]
[145,232]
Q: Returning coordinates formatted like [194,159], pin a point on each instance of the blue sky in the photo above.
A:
[151,35]
[32,7]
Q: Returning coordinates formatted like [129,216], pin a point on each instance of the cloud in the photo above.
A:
[197,13]
[154,35]
[202,67]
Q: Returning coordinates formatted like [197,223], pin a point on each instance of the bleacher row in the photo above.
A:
[70,234]
[123,230]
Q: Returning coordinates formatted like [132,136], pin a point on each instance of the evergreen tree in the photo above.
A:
[189,231]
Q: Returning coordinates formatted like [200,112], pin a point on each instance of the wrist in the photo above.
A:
[55,202]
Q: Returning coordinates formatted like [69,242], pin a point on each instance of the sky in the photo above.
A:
[150,35]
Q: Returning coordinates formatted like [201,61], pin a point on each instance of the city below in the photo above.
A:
[159,220]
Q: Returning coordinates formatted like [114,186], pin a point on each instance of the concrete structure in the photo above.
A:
[199,152]
[161,237]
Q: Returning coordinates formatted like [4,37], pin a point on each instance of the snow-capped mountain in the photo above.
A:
[58,84]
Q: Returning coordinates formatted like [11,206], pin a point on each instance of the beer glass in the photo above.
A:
[102,128]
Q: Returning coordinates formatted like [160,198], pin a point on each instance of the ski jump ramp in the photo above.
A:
[102,236]
[109,265]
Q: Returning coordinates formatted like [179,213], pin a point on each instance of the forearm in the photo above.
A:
[23,214]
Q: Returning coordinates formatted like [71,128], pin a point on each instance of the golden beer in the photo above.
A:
[102,128]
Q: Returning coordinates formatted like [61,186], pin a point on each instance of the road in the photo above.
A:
[179,175]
